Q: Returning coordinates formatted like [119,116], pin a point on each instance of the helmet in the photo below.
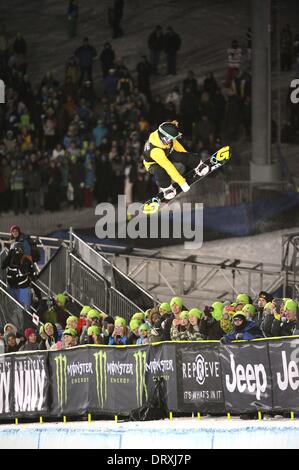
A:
[168,131]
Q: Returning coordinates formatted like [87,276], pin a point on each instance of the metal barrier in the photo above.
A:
[121,305]
[123,284]
[54,276]
[86,286]
[11,311]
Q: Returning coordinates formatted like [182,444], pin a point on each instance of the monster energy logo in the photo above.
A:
[101,377]
[61,379]
[140,364]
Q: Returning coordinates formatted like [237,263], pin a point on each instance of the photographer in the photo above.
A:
[120,332]
[53,310]
[285,323]
[19,274]
[210,327]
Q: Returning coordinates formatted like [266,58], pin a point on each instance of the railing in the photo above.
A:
[86,286]
[120,305]
[11,311]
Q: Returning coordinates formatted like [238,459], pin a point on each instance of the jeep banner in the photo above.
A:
[199,378]
[284,360]
[246,376]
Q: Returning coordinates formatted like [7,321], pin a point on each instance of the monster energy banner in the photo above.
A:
[196,376]
[24,384]
[199,378]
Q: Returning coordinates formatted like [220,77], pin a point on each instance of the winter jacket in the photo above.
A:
[283,328]
[210,329]
[19,271]
[193,333]
[29,347]
[132,339]
[118,340]
[178,333]
[250,331]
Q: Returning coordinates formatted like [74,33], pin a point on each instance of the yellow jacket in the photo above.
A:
[156,152]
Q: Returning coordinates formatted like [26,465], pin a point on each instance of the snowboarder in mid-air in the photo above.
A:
[167,160]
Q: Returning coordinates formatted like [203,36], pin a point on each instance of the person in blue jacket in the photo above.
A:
[242,329]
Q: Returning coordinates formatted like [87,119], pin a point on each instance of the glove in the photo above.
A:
[185,187]
[239,336]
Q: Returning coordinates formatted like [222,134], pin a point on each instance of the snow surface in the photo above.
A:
[178,433]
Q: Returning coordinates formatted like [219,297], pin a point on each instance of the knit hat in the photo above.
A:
[85,310]
[71,318]
[177,301]
[70,332]
[291,305]
[41,329]
[165,306]
[195,312]
[28,332]
[94,330]
[144,327]
[240,315]
[61,298]
[147,313]
[265,295]
[93,314]
[268,307]
[249,310]
[134,324]
[119,321]
[217,310]
[242,299]
[184,315]
[14,227]
[138,316]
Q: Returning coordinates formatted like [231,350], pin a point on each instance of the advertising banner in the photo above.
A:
[6,386]
[284,360]
[246,376]
[199,378]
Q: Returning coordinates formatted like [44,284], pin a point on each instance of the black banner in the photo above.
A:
[284,360]
[24,385]
[199,378]
[6,386]
[204,377]
[246,377]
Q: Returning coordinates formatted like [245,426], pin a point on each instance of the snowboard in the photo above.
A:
[207,167]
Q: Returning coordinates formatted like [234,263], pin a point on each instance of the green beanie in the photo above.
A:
[61,298]
[177,301]
[93,314]
[85,310]
[242,299]
[250,310]
[291,305]
[94,330]
[134,324]
[268,306]
[165,306]
[184,315]
[144,327]
[195,312]
[71,318]
[138,316]
[70,332]
[240,313]
[41,329]
[119,321]
[218,309]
